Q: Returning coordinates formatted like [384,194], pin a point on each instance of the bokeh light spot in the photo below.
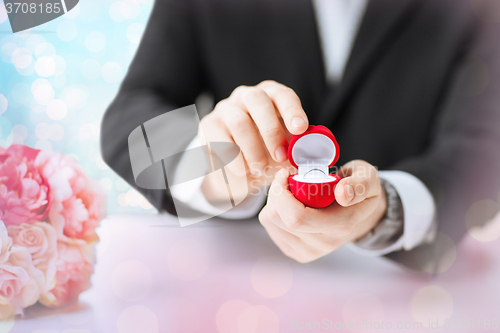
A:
[33,41]
[45,50]
[7,50]
[228,314]
[60,65]
[248,320]
[133,198]
[45,66]
[3,13]
[145,204]
[73,13]
[75,98]
[483,220]
[122,200]
[20,131]
[3,104]
[56,109]
[42,91]
[237,316]
[119,11]
[111,72]
[134,32]
[22,58]
[134,10]
[258,319]
[430,304]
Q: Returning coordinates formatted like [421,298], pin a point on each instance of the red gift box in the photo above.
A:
[313,153]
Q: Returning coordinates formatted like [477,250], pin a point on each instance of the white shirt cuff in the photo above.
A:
[419,214]
[190,193]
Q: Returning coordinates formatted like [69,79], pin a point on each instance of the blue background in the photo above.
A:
[57,79]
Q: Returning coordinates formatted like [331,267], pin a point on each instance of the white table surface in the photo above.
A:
[228,276]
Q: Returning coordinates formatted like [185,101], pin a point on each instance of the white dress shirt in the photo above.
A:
[338,22]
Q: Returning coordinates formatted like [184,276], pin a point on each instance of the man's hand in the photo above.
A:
[260,120]
[306,234]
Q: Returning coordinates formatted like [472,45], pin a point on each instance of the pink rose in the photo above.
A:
[75,265]
[5,243]
[20,281]
[24,193]
[40,239]
[79,202]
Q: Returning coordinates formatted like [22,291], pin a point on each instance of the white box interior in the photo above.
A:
[313,153]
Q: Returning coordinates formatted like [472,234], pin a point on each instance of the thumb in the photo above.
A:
[359,182]
[280,183]
[352,190]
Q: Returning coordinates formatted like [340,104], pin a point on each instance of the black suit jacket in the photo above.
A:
[419,92]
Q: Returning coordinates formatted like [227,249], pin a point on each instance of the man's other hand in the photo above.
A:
[306,234]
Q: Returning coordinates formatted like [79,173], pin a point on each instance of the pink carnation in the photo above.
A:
[78,203]
[75,265]
[24,193]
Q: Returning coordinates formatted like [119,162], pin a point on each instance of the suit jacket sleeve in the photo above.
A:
[164,75]
[462,164]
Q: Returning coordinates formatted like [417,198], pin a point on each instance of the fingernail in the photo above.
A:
[298,122]
[280,154]
[349,192]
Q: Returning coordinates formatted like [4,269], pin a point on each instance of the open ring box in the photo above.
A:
[313,153]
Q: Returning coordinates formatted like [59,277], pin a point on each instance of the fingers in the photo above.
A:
[359,182]
[290,244]
[287,242]
[258,120]
[247,137]
[214,130]
[266,103]
[298,218]
[261,109]
[289,106]
[289,208]
[306,234]
[293,213]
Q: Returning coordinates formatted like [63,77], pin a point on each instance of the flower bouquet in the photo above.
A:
[49,211]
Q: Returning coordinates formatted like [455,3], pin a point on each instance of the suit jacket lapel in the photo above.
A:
[382,21]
